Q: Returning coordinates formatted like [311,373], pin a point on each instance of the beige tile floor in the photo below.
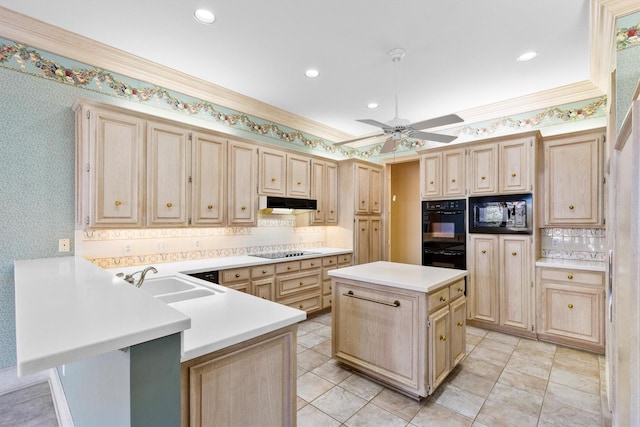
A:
[504,381]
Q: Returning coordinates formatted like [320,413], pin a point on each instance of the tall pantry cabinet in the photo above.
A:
[360,209]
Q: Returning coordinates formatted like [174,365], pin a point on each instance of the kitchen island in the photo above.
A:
[400,324]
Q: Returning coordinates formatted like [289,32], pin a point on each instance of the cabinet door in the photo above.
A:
[167,164]
[458,342]
[453,173]
[430,165]
[331,194]
[375,190]
[318,181]
[273,172]
[574,312]
[514,166]
[484,277]
[572,180]
[393,341]
[362,242]
[484,169]
[117,196]
[515,282]
[208,176]
[439,348]
[375,239]
[263,288]
[298,176]
[362,175]
[242,184]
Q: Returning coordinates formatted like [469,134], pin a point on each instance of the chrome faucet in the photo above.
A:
[129,277]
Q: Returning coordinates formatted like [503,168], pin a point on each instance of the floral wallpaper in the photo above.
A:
[22,58]
[627,37]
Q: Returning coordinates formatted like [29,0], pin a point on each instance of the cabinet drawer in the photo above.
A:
[345,259]
[572,276]
[308,302]
[329,261]
[574,312]
[235,275]
[289,284]
[307,264]
[288,267]
[325,272]
[437,299]
[456,290]
[262,271]
[326,301]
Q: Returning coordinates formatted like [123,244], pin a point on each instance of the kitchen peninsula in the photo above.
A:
[400,324]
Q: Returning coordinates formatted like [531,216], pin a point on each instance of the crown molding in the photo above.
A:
[35,33]
[38,34]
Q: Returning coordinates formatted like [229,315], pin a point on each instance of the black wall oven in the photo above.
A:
[443,233]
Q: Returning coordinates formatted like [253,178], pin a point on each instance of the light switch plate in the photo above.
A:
[64,245]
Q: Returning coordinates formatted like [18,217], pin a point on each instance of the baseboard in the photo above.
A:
[10,381]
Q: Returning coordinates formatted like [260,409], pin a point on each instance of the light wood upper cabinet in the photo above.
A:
[443,173]
[501,167]
[110,169]
[209,170]
[515,165]
[483,169]
[242,198]
[453,166]
[375,190]
[167,167]
[324,189]
[273,172]
[573,179]
[298,176]
[362,177]
[283,174]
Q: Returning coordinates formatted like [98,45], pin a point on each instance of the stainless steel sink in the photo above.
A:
[173,289]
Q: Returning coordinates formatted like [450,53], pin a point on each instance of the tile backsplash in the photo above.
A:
[129,247]
[574,243]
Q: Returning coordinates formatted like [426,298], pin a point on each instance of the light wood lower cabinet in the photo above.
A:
[572,311]
[249,384]
[410,344]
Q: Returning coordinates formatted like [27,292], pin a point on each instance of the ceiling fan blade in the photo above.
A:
[437,121]
[374,123]
[357,139]
[438,137]
[389,145]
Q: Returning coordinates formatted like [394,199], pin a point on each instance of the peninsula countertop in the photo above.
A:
[405,276]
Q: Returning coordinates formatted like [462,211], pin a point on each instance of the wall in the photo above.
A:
[627,63]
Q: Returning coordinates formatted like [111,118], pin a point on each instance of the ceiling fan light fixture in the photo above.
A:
[312,73]
[204,16]
[372,105]
[527,56]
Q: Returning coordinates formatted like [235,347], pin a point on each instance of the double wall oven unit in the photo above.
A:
[443,233]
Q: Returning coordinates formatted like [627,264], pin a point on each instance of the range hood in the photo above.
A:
[285,205]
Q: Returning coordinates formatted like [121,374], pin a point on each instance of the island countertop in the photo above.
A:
[405,276]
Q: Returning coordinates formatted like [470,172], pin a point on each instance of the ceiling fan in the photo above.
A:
[398,127]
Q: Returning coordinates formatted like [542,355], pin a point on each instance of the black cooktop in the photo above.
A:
[284,254]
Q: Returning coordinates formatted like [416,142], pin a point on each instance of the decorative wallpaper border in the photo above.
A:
[628,37]
[22,58]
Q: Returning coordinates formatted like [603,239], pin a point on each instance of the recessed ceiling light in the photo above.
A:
[311,73]
[372,105]
[527,56]
[204,16]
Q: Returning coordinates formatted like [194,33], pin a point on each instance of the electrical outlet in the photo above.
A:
[127,248]
[64,245]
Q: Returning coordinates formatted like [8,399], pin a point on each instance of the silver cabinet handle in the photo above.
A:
[396,303]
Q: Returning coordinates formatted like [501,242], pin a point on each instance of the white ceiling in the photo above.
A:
[460,54]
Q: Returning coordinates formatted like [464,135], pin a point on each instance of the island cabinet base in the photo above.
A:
[248,384]
[398,336]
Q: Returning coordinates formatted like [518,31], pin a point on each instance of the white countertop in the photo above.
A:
[68,309]
[572,264]
[405,276]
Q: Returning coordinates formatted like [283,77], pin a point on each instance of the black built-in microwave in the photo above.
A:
[511,214]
